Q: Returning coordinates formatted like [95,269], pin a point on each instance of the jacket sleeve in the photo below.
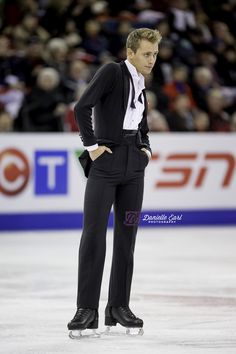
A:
[101,84]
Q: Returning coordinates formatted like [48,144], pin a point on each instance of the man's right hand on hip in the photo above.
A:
[94,154]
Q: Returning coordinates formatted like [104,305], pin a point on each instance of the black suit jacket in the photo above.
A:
[108,93]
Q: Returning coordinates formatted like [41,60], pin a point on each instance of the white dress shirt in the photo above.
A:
[133,116]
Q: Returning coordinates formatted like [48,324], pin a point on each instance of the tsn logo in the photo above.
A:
[186,166]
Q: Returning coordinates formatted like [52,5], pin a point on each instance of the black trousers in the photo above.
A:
[114,179]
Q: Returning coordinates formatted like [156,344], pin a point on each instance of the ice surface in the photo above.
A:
[184,288]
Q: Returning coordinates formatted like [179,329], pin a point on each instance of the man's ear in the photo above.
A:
[130,53]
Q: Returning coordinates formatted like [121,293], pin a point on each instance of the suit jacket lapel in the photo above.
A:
[126,86]
[145,103]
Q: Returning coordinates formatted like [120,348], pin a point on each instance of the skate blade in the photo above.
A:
[131,332]
[78,334]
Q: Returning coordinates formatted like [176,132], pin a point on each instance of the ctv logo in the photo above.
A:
[14,171]
[188,166]
[50,172]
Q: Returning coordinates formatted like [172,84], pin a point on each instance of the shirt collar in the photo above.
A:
[134,73]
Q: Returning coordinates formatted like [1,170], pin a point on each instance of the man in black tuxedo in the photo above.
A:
[117,152]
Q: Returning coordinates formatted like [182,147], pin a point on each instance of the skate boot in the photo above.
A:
[125,317]
[83,319]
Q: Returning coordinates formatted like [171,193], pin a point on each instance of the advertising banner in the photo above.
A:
[191,180]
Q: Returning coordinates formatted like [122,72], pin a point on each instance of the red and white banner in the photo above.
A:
[191,171]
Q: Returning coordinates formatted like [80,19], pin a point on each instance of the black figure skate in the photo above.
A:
[125,317]
[83,319]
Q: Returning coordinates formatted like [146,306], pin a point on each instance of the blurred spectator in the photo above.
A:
[56,55]
[202,21]
[117,33]
[6,123]
[12,95]
[26,31]
[226,66]
[14,10]
[207,58]
[163,70]
[233,123]
[71,34]
[219,119]
[202,83]
[43,108]
[181,118]
[146,15]
[10,62]
[77,77]
[70,123]
[33,61]
[5,63]
[56,15]
[221,37]
[162,99]
[226,14]
[179,85]
[156,120]
[163,27]
[201,121]
[94,42]
[182,17]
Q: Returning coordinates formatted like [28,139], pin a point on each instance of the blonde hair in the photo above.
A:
[134,38]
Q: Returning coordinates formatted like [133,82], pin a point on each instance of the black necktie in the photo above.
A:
[132,105]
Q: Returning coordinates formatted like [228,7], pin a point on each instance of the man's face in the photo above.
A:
[145,56]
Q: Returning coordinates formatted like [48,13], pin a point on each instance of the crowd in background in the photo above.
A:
[50,49]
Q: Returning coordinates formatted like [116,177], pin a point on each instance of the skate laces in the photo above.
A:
[128,312]
[82,312]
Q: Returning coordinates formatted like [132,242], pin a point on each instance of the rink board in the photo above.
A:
[191,180]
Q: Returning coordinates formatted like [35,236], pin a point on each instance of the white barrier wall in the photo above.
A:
[191,180]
